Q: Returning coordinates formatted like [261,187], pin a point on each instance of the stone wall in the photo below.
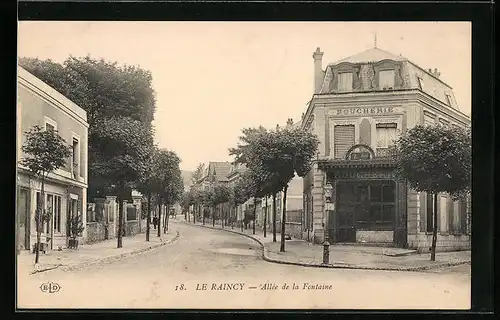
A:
[294,229]
[422,242]
[95,232]
[144,223]
[131,228]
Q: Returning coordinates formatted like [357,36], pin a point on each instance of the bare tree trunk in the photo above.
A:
[223,216]
[159,216]
[39,221]
[274,217]
[213,215]
[168,218]
[265,219]
[254,215]
[434,229]
[120,219]
[203,215]
[233,213]
[242,220]
[283,221]
[148,217]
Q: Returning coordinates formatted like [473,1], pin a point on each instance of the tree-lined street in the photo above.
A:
[201,255]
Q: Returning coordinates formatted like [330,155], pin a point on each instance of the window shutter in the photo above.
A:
[343,140]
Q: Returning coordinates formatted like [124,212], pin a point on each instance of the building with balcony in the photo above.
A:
[65,188]
[360,105]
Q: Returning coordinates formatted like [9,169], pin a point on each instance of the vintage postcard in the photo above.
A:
[243,165]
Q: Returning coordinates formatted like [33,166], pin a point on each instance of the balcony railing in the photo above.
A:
[382,152]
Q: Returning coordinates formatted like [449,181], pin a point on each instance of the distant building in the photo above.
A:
[361,104]
[66,188]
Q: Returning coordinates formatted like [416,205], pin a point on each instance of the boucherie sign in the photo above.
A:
[363,111]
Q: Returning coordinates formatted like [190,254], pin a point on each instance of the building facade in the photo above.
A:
[361,104]
[66,188]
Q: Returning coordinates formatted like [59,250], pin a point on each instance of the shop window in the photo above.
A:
[345,81]
[386,79]
[388,193]
[377,213]
[376,195]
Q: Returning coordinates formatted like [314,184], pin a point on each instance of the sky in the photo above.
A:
[214,78]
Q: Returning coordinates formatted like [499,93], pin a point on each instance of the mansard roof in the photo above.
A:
[371,55]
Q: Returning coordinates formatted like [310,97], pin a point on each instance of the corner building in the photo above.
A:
[361,104]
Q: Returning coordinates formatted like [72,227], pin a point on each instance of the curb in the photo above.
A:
[265,257]
[111,258]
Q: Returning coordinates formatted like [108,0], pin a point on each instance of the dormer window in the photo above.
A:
[386,79]
[345,81]
[421,83]
[448,99]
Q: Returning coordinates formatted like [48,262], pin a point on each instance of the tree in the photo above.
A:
[173,186]
[149,183]
[170,182]
[195,199]
[186,202]
[221,195]
[44,152]
[198,173]
[206,201]
[126,160]
[105,90]
[435,159]
[277,155]
[238,194]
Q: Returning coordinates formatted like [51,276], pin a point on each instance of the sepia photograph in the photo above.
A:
[244,165]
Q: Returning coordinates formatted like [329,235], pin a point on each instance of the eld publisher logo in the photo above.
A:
[50,287]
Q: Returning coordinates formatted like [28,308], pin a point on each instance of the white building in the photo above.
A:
[66,188]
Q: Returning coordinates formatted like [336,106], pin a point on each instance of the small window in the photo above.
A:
[421,83]
[50,125]
[386,79]
[345,81]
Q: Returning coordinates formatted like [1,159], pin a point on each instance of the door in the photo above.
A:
[24,220]
[346,206]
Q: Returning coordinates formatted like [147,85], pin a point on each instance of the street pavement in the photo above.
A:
[214,269]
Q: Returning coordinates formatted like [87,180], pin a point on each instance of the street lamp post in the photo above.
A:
[326,243]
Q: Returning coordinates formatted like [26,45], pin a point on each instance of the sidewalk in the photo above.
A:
[303,253]
[104,251]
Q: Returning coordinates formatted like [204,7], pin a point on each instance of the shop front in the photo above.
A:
[369,202]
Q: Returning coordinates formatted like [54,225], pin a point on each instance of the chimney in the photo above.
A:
[318,70]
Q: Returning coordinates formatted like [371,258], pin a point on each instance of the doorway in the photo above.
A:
[24,219]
